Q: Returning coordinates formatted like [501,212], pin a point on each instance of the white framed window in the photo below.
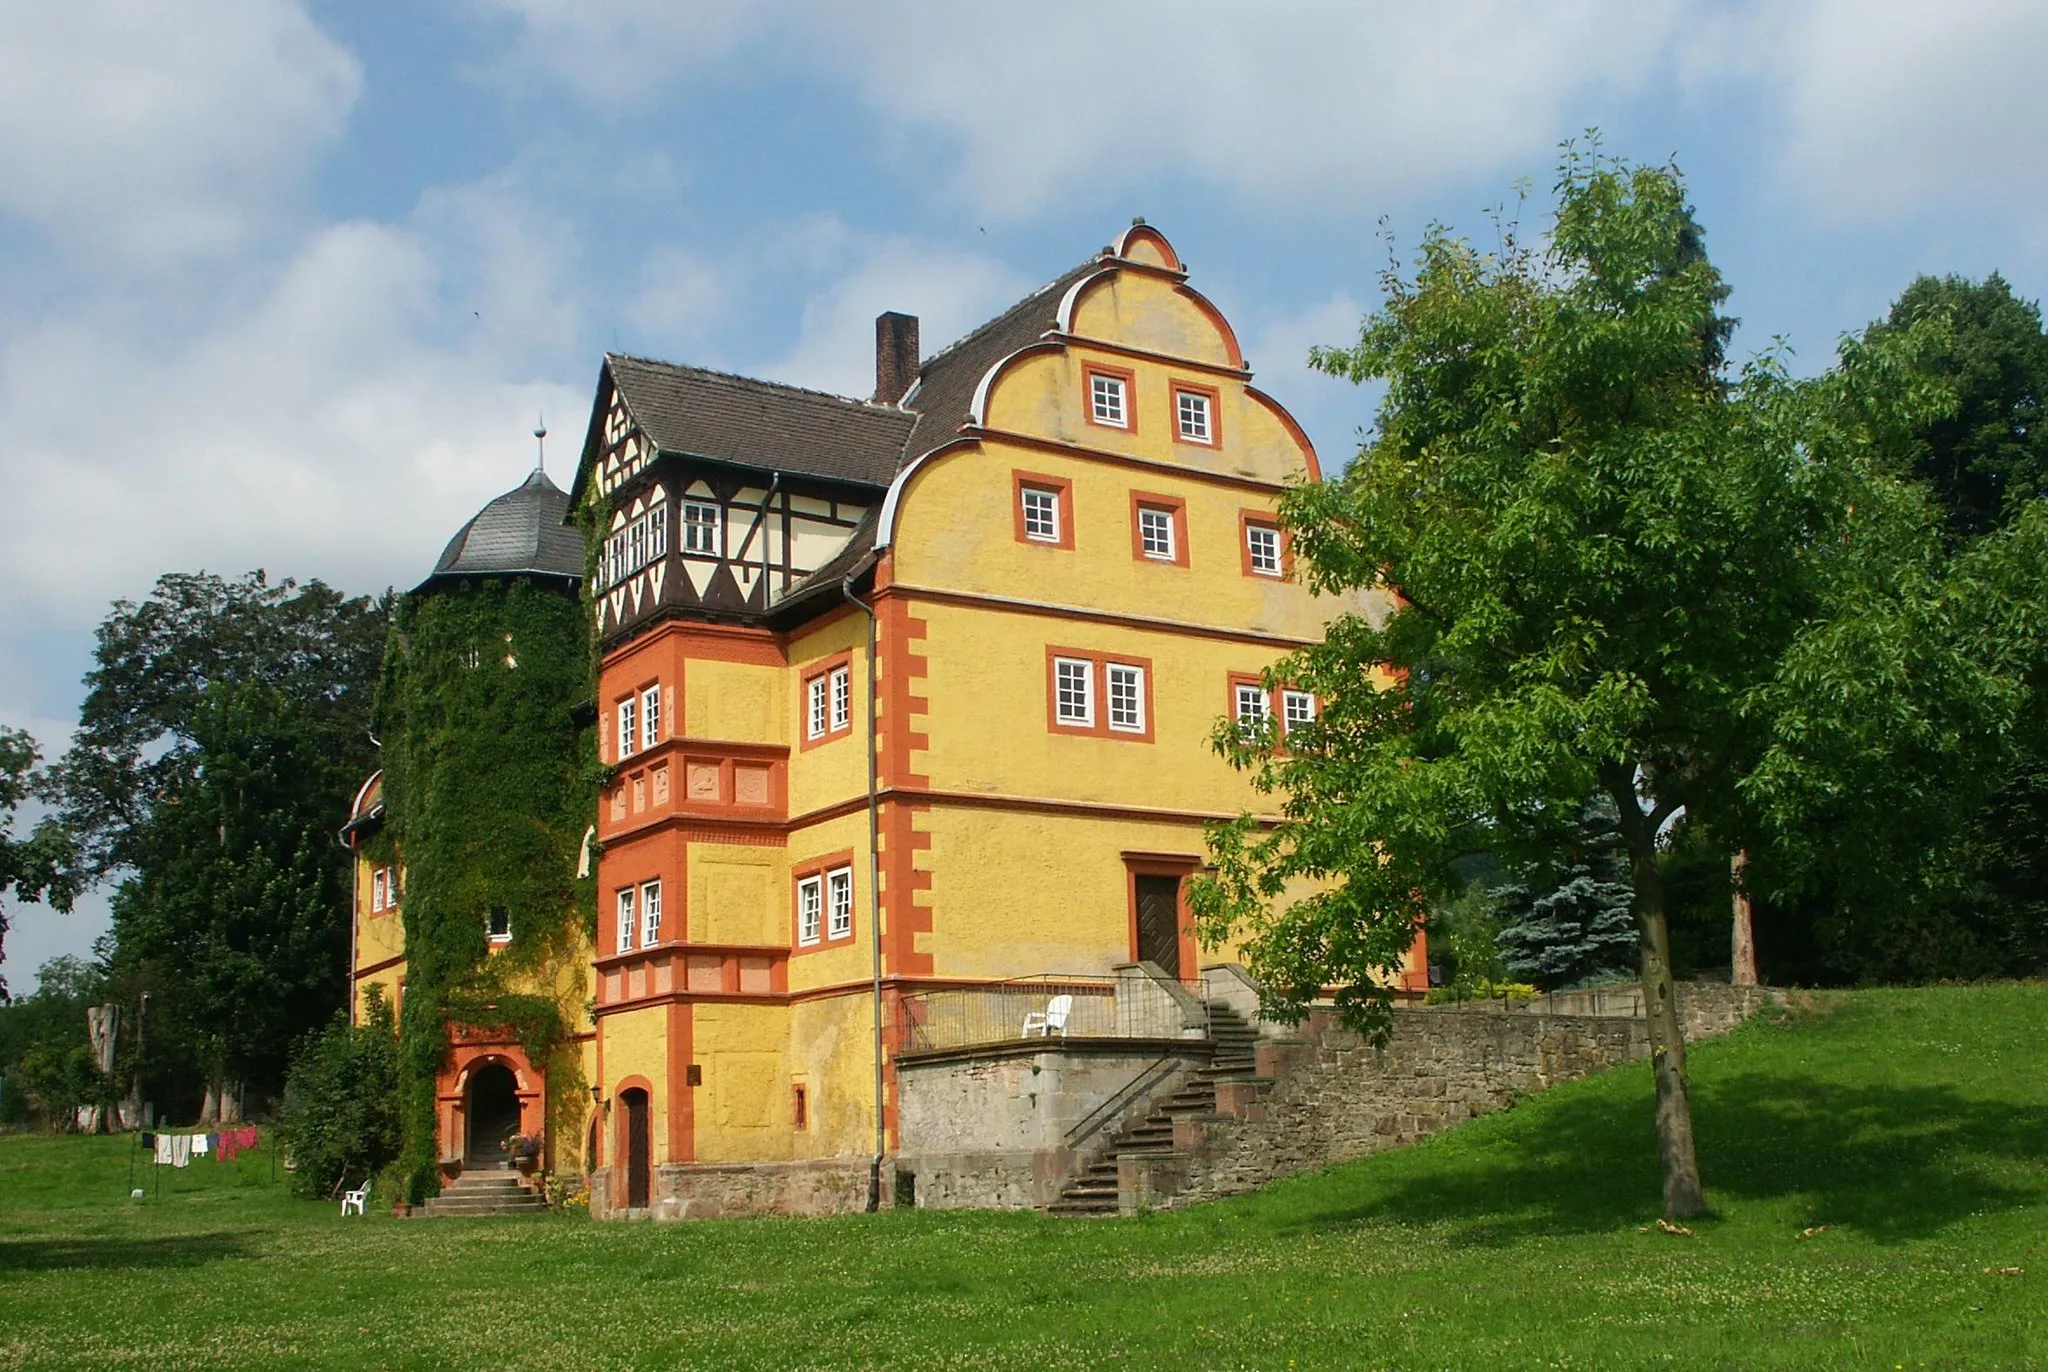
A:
[1296,709]
[839,902]
[650,914]
[1106,400]
[1155,533]
[636,545]
[377,889]
[1041,514]
[1191,408]
[1074,691]
[625,919]
[615,558]
[810,910]
[650,717]
[657,532]
[842,698]
[1262,549]
[1126,697]
[629,714]
[391,888]
[498,925]
[1252,707]
[701,529]
[815,704]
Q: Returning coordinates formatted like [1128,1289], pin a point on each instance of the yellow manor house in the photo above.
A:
[907,706]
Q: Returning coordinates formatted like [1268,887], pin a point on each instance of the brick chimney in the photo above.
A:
[895,356]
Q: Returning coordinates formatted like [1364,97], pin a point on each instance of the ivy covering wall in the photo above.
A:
[490,782]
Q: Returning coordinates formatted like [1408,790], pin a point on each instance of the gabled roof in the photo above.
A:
[521,533]
[693,412]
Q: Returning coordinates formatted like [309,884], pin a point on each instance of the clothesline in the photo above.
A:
[178,1150]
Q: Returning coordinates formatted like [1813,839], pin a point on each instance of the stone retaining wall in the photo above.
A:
[1330,1096]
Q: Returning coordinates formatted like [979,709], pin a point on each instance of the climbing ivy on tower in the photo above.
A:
[490,782]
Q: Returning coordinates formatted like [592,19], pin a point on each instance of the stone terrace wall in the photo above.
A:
[1334,1097]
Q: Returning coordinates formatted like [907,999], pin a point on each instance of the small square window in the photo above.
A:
[810,909]
[626,920]
[629,716]
[1191,408]
[1126,698]
[1252,708]
[1074,691]
[650,914]
[1297,708]
[1041,514]
[498,927]
[650,717]
[701,529]
[1155,533]
[1106,400]
[1262,549]
[839,898]
[842,699]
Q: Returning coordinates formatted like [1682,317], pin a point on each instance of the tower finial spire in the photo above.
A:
[540,438]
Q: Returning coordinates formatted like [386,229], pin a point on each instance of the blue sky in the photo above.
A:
[283,283]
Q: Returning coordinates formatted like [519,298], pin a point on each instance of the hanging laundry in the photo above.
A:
[148,1139]
[181,1150]
[164,1143]
[200,1143]
[234,1142]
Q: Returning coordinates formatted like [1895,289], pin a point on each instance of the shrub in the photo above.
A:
[340,1117]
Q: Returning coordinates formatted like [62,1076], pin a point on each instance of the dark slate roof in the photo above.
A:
[761,424]
[520,533]
[946,382]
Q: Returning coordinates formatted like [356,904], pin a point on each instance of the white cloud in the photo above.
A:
[950,292]
[1332,103]
[1329,408]
[152,132]
[1896,106]
[341,421]
[680,295]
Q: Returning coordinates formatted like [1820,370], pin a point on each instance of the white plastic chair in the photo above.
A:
[357,1198]
[1053,1018]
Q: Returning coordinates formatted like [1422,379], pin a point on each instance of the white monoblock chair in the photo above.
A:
[355,1199]
[1053,1019]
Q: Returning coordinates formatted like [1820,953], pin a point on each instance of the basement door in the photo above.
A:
[1159,922]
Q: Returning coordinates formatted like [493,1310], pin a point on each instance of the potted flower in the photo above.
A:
[524,1151]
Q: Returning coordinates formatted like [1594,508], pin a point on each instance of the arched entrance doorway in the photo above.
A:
[636,1150]
[493,1114]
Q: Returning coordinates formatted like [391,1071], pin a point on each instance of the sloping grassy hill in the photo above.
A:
[1879,1171]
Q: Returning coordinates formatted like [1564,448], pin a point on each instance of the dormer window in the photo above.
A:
[701,529]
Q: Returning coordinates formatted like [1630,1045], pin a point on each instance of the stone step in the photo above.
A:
[436,1209]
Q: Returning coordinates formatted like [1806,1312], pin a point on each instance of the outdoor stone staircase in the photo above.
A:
[1095,1191]
[485,1191]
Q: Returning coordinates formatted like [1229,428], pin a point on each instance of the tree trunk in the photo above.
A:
[209,1110]
[1684,1195]
[1742,964]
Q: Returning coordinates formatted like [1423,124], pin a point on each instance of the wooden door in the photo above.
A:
[1159,922]
[637,1150]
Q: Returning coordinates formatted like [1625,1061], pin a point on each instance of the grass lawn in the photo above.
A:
[1909,1128]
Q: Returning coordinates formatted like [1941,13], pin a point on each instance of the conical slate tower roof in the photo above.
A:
[521,533]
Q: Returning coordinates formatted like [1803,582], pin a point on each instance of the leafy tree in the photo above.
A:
[340,1117]
[1988,455]
[44,1054]
[1609,561]
[225,726]
[42,865]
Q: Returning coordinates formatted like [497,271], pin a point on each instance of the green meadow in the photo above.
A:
[1877,1165]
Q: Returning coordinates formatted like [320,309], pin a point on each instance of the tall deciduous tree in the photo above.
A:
[1605,550]
[225,726]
